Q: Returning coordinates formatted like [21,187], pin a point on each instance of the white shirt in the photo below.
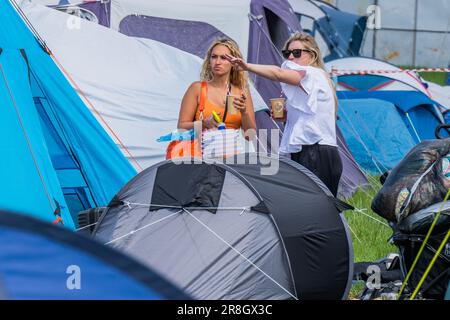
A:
[310,110]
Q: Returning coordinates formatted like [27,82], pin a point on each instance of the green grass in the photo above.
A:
[370,237]
[436,77]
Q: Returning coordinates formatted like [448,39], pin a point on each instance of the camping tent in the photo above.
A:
[255,227]
[415,113]
[339,34]
[40,261]
[55,158]
[420,114]
[414,119]
[375,132]
[138,100]
[260,27]
[447,295]
[397,80]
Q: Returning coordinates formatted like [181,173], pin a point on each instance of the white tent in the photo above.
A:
[440,94]
[309,12]
[233,19]
[409,81]
[133,86]
[403,80]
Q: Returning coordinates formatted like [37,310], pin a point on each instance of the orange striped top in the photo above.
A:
[233,121]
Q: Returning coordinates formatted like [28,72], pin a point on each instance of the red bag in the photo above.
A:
[184,149]
[188,148]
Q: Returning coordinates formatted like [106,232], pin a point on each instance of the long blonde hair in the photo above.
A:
[237,78]
[310,44]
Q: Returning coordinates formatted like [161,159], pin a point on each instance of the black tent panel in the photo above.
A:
[187,185]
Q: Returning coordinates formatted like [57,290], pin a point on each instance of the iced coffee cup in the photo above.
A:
[230,104]
[277,105]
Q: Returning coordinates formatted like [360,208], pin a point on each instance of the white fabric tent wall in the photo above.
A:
[405,81]
[440,94]
[233,19]
[135,84]
[309,9]
[228,16]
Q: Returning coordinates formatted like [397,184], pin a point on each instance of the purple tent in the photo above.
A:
[271,23]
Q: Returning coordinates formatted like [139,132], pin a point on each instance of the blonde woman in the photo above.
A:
[218,79]
[310,133]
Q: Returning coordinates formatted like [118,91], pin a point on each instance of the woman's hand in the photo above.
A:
[239,103]
[237,62]
[280,119]
[209,123]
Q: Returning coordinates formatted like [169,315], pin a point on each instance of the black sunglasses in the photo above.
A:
[297,53]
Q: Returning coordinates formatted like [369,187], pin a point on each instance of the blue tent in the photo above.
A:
[42,261]
[375,133]
[55,158]
[390,125]
[447,295]
[342,32]
[345,30]
[420,114]
[448,77]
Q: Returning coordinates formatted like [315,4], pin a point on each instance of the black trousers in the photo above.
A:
[324,161]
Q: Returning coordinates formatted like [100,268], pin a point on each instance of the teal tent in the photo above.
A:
[55,158]
[375,133]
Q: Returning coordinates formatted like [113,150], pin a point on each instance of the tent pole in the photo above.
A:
[412,126]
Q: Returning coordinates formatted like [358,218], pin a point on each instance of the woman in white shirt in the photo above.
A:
[311,104]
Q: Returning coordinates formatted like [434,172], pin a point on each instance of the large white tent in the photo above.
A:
[233,19]
[133,86]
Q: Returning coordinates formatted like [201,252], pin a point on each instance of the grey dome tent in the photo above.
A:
[234,231]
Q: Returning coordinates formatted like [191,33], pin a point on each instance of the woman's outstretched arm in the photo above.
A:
[271,72]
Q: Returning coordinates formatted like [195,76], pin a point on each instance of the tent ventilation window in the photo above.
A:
[278,30]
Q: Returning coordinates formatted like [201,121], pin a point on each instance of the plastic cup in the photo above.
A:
[230,104]
[277,105]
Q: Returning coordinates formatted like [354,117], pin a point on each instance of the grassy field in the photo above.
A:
[370,232]
[436,77]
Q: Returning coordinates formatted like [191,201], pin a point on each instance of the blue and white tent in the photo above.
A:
[55,158]
[39,261]
[375,132]
[380,132]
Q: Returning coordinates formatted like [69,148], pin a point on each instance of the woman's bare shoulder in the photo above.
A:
[194,88]
[195,85]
